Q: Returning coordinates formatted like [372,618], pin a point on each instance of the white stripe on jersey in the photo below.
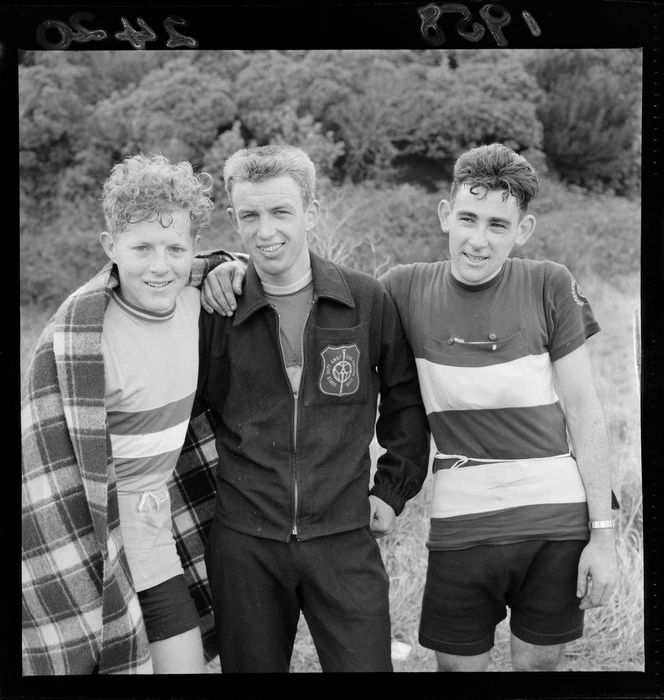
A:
[526,381]
[501,485]
[150,444]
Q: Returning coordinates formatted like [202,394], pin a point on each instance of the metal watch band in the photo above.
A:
[601,524]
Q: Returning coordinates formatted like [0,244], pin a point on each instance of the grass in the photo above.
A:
[613,640]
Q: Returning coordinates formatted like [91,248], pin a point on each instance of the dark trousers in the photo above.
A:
[259,586]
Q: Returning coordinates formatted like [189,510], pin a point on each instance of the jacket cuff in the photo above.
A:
[393,499]
[204,262]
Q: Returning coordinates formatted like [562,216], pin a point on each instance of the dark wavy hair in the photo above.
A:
[497,167]
[145,188]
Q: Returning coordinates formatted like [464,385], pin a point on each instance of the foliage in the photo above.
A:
[586,232]
[177,110]
[591,115]
[383,127]
[51,116]
[484,98]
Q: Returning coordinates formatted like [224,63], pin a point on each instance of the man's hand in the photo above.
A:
[221,286]
[597,571]
[383,518]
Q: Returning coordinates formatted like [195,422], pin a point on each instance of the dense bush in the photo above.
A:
[590,113]
[383,127]
[586,232]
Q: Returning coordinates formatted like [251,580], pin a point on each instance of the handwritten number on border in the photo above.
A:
[431,32]
[138,39]
[76,32]
[496,23]
[176,39]
[83,34]
[494,16]
[478,30]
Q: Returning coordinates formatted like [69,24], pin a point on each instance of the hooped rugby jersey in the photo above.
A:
[504,471]
[151,368]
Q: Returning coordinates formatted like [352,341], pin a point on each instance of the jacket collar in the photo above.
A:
[329,283]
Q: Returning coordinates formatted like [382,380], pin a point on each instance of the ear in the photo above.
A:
[196,242]
[108,244]
[311,215]
[231,215]
[525,229]
[444,214]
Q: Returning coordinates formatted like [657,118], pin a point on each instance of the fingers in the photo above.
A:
[218,296]
[582,581]
[205,305]
[380,527]
[237,283]
[238,277]
[598,594]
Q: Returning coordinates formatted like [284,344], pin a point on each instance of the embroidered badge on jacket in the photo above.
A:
[339,375]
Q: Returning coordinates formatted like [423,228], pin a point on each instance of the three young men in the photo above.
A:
[295,378]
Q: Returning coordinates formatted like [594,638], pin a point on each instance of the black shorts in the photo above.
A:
[168,609]
[467,591]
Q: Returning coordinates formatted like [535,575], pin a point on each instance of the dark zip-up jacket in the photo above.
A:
[300,464]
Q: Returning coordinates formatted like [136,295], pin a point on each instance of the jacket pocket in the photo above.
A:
[338,368]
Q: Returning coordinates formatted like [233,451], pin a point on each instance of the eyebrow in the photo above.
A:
[252,209]
[493,219]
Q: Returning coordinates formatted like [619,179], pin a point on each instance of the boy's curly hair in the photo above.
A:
[497,167]
[144,188]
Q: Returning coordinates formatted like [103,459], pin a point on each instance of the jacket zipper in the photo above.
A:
[295,395]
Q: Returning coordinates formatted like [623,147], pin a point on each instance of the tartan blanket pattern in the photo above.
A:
[193,497]
[80,609]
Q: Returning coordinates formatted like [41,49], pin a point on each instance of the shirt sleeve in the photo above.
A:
[570,318]
[204,262]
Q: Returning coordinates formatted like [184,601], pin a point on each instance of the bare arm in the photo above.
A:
[589,437]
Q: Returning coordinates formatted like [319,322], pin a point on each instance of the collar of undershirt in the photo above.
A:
[478,287]
[297,286]
[138,312]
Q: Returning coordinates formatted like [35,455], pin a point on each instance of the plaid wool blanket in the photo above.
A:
[80,609]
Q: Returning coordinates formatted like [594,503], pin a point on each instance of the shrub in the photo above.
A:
[598,233]
[591,115]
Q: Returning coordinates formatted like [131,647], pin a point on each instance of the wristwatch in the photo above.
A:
[601,524]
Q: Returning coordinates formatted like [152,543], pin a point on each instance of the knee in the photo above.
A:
[543,659]
[447,663]
[452,663]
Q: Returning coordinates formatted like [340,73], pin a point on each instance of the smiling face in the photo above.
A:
[483,228]
[154,261]
[273,223]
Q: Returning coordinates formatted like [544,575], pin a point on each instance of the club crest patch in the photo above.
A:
[577,294]
[339,375]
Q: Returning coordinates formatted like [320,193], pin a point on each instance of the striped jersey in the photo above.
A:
[151,370]
[504,471]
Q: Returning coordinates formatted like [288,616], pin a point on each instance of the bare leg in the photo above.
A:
[534,657]
[452,662]
[180,654]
